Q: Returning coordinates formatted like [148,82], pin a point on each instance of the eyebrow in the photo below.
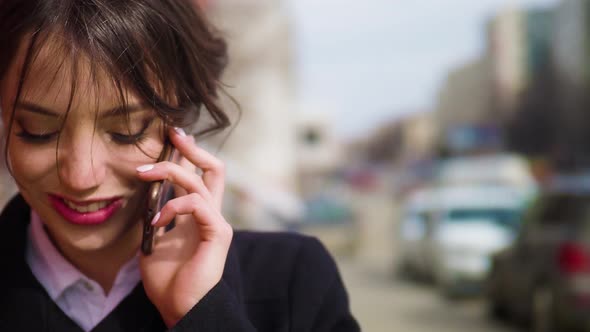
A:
[112,112]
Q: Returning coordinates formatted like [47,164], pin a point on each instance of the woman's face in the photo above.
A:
[85,188]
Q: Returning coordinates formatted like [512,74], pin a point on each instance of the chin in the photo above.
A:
[92,242]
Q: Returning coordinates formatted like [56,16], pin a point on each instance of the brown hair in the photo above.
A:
[163,51]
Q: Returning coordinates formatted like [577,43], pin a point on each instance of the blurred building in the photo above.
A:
[399,141]
[539,28]
[319,152]
[506,39]
[398,155]
[260,79]
[535,98]
[419,136]
[519,45]
[480,102]
[465,97]
[571,41]
[571,53]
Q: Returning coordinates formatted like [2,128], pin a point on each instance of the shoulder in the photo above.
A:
[281,261]
[292,276]
[280,249]
[275,243]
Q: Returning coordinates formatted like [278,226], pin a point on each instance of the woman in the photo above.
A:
[89,91]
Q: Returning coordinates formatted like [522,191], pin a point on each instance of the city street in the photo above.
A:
[383,303]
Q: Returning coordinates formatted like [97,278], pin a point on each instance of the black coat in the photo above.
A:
[271,282]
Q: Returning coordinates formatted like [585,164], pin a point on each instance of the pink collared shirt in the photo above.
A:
[79,297]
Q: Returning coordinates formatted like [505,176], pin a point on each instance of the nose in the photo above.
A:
[81,165]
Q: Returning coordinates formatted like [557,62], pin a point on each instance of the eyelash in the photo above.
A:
[129,139]
[118,138]
[37,139]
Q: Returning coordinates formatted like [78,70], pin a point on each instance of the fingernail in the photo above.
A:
[145,168]
[180,131]
[156,218]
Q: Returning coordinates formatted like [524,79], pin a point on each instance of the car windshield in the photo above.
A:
[501,217]
[323,210]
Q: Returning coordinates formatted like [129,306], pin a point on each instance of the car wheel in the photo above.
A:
[497,310]
[496,307]
[542,310]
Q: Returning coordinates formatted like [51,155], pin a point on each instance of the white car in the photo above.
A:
[470,224]
[502,169]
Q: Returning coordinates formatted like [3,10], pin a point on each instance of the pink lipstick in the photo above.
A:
[85,218]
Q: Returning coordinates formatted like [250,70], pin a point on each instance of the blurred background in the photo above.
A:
[437,148]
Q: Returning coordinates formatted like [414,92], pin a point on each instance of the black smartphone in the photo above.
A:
[159,192]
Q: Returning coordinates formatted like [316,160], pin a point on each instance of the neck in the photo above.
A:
[104,264]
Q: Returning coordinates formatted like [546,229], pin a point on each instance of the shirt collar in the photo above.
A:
[52,270]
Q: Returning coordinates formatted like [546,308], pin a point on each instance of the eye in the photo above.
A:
[128,139]
[36,138]
[125,139]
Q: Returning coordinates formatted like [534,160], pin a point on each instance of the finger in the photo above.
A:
[185,163]
[160,232]
[210,223]
[213,168]
[176,174]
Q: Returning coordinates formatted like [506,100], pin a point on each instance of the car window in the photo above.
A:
[325,210]
[498,216]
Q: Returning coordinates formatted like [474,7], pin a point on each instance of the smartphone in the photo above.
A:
[159,192]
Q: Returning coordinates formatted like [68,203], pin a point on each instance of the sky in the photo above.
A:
[369,61]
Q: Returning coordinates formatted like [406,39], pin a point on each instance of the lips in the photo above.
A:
[86,213]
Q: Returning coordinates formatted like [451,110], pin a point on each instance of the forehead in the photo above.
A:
[57,73]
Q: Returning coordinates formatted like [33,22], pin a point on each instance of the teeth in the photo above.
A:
[87,208]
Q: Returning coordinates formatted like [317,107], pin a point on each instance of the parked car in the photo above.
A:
[469,225]
[448,234]
[330,218]
[503,169]
[544,277]
[411,235]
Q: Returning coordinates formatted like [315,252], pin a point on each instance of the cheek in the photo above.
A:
[124,161]
[147,152]
[30,164]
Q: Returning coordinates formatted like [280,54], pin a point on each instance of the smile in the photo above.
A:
[86,213]
[92,207]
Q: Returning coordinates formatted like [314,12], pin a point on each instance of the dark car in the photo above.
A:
[543,279]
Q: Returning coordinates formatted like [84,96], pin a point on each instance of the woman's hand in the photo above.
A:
[188,261]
